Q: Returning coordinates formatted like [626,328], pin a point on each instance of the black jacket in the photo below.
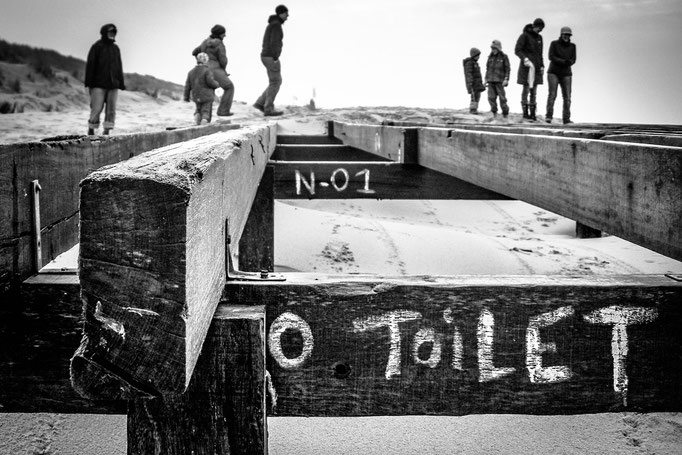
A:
[272,39]
[104,68]
[562,56]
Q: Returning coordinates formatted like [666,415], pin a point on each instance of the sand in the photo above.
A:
[391,238]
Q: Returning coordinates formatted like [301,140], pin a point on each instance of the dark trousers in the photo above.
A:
[496,90]
[554,82]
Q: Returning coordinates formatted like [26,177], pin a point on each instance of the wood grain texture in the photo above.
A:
[223,410]
[387,142]
[257,242]
[152,252]
[317,152]
[343,346]
[40,327]
[370,180]
[630,190]
[59,165]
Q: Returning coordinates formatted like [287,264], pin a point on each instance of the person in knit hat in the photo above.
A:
[217,62]
[497,78]
[473,79]
[103,79]
[562,56]
[201,85]
[269,56]
[531,67]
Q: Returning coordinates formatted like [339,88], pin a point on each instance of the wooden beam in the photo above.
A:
[317,152]
[314,139]
[223,411]
[257,243]
[365,345]
[380,140]
[59,165]
[370,180]
[152,252]
[633,191]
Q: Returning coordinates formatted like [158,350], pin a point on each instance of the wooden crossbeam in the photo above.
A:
[319,152]
[152,254]
[370,180]
[365,345]
[395,144]
[633,191]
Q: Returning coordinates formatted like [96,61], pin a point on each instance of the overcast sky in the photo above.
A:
[385,52]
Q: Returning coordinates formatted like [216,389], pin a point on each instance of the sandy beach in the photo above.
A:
[387,238]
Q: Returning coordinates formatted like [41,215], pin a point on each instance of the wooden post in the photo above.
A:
[585,232]
[223,411]
[257,244]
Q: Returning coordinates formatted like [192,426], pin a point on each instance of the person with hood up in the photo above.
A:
[201,84]
[473,79]
[217,62]
[103,79]
[269,56]
[531,68]
[497,78]
[562,56]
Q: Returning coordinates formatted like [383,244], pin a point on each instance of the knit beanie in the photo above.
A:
[496,45]
[202,57]
[474,52]
[281,9]
[217,30]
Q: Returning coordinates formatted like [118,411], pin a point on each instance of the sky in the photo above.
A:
[385,52]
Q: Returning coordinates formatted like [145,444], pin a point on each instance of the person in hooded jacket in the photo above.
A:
[473,79]
[269,56]
[562,56]
[497,78]
[532,66]
[103,79]
[217,62]
[201,85]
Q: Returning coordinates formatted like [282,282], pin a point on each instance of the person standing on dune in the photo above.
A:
[531,67]
[272,48]
[217,62]
[103,79]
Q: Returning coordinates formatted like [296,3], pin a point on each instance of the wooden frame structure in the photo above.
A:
[167,330]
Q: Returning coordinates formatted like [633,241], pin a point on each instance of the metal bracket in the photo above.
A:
[674,277]
[238,275]
[35,228]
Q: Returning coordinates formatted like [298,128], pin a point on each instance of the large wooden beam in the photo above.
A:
[370,180]
[153,236]
[59,164]
[317,152]
[363,345]
[633,191]
[395,144]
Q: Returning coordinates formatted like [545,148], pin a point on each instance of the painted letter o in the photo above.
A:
[284,322]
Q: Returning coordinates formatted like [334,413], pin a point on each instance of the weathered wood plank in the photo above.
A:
[257,243]
[316,152]
[667,140]
[341,346]
[388,142]
[40,327]
[223,410]
[370,180]
[629,190]
[59,166]
[152,252]
[315,139]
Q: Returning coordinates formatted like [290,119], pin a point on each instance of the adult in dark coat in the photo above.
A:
[269,56]
[562,56]
[104,78]
[531,67]
[217,62]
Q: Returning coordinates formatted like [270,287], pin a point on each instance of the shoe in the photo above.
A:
[91,132]
[548,119]
[229,114]
[260,107]
[567,122]
[106,131]
[272,113]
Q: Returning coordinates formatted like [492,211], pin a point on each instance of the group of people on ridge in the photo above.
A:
[562,56]
[104,74]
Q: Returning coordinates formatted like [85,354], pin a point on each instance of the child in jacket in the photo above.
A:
[201,84]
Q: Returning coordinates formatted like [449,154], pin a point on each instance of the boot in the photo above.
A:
[91,132]
[531,114]
[524,108]
[106,131]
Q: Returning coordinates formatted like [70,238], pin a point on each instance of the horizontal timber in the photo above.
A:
[362,345]
[316,152]
[153,231]
[370,180]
